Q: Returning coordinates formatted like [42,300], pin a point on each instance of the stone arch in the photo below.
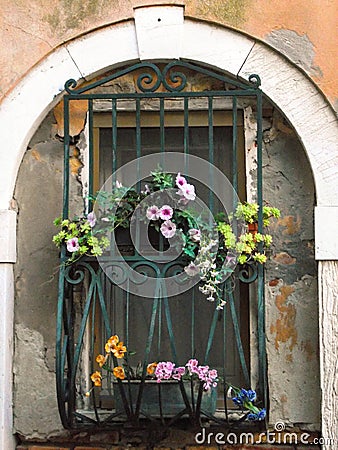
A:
[145,38]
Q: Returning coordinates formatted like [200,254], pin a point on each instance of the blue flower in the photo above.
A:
[257,416]
[251,395]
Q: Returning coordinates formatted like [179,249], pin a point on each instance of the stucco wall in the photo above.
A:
[292,317]
[305,31]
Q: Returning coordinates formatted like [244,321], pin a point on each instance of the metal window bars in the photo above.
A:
[91,307]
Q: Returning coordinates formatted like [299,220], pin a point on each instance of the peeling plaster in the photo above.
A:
[298,48]
[33,390]
[77,113]
[284,327]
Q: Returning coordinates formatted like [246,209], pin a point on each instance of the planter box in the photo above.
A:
[170,394]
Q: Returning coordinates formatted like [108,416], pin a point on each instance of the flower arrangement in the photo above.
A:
[167,370]
[244,399]
[167,204]
[159,371]
[79,237]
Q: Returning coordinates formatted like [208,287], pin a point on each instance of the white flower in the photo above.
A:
[153,213]
[168,229]
[191,269]
[187,191]
[195,235]
[166,212]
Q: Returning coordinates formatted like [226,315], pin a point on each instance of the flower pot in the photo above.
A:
[253,228]
[162,399]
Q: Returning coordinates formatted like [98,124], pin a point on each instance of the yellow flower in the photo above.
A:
[119,350]
[119,372]
[151,368]
[96,378]
[101,360]
[111,343]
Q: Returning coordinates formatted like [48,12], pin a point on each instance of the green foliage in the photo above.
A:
[249,213]
[81,233]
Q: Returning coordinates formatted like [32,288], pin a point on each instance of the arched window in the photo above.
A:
[139,111]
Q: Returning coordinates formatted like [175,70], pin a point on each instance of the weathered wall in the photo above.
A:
[292,310]
[38,196]
[305,31]
[291,282]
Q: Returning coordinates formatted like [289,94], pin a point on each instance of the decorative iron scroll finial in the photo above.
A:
[70,85]
[255,80]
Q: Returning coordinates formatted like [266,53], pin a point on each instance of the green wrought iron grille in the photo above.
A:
[92,307]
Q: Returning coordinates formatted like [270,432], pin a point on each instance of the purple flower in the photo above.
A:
[73,244]
[166,212]
[195,234]
[178,373]
[153,212]
[164,370]
[168,229]
[192,270]
[187,191]
[180,181]
[91,219]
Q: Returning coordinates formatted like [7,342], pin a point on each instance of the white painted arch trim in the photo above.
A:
[145,37]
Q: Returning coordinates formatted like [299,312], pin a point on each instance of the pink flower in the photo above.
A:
[91,219]
[187,191]
[178,373]
[168,229]
[192,270]
[166,212]
[195,235]
[192,366]
[180,181]
[164,370]
[153,212]
[73,244]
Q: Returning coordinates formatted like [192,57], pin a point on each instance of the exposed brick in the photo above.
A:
[42,447]
[90,448]
[200,447]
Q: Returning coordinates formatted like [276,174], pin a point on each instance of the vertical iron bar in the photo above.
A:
[138,155]
[224,356]
[234,147]
[114,139]
[186,134]
[193,349]
[162,150]
[91,154]
[260,282]
[211,152]
[65,210]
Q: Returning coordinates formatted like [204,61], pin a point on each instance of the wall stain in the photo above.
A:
[284,258]
[232,12]
[291,223]
[77,117]
[74,162]
[307,348]
[284,328]
[36,155]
